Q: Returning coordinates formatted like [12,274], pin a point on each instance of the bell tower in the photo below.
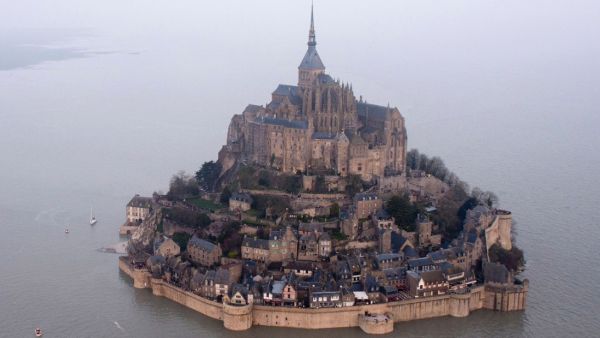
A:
[311,65]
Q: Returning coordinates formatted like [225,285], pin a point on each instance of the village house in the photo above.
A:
[389,260]
[366,204]
[138,209]
[321,299]
[255,249]
[383,220]
[203,252]
[289,296]
[283,245]
[427,283]
[421,264]
[240,202]
[308,248]
[325,245]
[167,248]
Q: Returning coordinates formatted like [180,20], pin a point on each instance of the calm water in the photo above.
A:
[98,104]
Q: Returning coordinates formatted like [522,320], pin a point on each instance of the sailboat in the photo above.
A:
[92,217]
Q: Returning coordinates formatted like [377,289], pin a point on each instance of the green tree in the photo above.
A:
[513,259]
[469,204]
[225,196]
[182,185]
[334,210]
[182,239]
[404,212]
[208,175]
[354,184]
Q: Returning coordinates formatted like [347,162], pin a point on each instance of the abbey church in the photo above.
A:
[318,125]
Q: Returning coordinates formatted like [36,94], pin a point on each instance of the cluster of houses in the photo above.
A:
[300,265]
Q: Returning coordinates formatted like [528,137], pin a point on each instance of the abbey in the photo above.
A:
[318,125]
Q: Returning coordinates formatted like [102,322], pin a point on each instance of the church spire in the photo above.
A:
[312,40]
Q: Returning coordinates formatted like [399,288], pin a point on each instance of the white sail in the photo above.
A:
[92,218]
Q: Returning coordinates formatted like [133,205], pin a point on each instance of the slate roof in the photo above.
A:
[285,90]
[311,60]
[297,124]
[371,111]
[322,135]
[410,252]
[388,257]
[434,276]
[256,243]
[365,196]
[242,197]
[140,202]
[201,243]
[418,262]
[252,108]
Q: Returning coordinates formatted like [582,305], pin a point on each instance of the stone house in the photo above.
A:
[289,296]
[396,277]
[366,204]
[283,245]
[383,220]
[421,264]
[325,245]
[255,249]
[424,233]
[389,293]
[138,209]
[321,299]
[240,202]
[167,248]
[300,269]
[238,295]
[204,252]
[427,283]
[307,228]
[308,248]
[389,260]
[221,282]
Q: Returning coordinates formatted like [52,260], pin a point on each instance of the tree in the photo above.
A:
[264,179]
[354,184]
[404,212]
[292,183]
[182,185]
[182,239]
[412,159]
[334,210]
[225,195]
[469,204]
[208,175]
[513,259]
[485,197]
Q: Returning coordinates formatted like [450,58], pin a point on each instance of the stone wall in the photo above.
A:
[243,317]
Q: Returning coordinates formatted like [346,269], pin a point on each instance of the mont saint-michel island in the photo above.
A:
[315,215]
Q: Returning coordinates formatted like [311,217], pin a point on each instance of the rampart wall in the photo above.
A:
[244,317]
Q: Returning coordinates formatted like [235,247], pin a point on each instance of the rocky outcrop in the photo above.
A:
[142,238]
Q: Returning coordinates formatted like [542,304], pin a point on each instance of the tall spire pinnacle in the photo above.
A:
[312,40]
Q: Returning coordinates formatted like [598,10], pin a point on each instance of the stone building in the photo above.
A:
[366,204]
[255,249]
[427,283]
[204,252]
[240,202]
[308,247]
[283,245]
[318,124]
[325,245]
[167,248]
[138,209]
